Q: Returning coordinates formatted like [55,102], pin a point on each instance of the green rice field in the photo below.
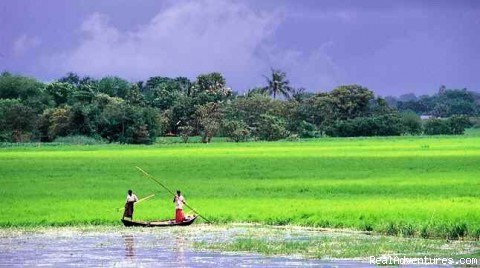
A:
[406,186]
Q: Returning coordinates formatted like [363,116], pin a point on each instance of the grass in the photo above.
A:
[348,247]
[405,186]
[334,245]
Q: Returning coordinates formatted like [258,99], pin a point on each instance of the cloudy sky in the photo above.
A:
[392,47]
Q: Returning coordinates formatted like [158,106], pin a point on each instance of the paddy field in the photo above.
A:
[404,186]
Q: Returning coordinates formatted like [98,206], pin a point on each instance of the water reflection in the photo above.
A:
[138,248]
[179,250]
[129,243]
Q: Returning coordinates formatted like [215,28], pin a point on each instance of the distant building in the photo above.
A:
[426,116]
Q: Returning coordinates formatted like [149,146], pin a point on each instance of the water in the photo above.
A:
[136,247]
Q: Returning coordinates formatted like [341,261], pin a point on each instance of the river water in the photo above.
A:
[136,247]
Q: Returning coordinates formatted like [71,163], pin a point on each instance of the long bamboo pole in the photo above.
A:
[140,200]
[168,190]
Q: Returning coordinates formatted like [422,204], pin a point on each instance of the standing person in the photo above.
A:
[179,200]
[131,199]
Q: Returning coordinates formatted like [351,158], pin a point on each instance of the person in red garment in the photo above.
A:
[179,200]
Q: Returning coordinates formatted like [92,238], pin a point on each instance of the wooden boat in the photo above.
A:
[161,223]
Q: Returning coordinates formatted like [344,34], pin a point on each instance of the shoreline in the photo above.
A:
[278,241]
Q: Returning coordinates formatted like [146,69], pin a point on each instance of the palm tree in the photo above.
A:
[278,84]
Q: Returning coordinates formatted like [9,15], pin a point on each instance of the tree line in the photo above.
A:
[116,110]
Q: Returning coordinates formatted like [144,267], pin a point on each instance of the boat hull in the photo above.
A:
[161,223]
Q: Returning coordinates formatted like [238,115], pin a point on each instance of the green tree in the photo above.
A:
[235,130]
[300,94]
[252,111]
[377,125]
[209,118]
[60,122]
[317,110]
[457,102]
[181,84]
[84,119]
[163,98]
[271,128]
[445,103]
[210,88]
[458,123]
[85,93]
[255,91]
[43,125]
[126,123]
[182,114]
[71,78]
[61,92]
[350,101]
[156,81]
[114,86]
[326,110]
[185,132]
[411,122]
[16,121]
[277,84]
[436,127]
[135,97]
[29,91]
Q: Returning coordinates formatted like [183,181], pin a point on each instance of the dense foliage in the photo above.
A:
[115,110]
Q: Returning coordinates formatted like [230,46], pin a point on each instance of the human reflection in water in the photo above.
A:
[129,243]
[179,250]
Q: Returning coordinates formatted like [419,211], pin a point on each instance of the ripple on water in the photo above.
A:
[137,247]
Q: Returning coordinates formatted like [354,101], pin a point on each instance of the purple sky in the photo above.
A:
[391,47]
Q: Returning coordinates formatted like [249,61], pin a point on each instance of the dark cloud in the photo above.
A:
[392,47]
